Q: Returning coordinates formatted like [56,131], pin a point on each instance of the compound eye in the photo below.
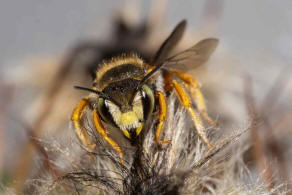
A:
[104,111]
[148,101]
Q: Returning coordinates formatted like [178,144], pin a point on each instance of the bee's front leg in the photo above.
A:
[101,130]
[81,133]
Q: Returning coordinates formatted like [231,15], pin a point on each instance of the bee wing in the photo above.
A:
[169,43]
[193,56]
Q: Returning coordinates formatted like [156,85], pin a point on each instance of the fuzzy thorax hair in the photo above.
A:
[119,68]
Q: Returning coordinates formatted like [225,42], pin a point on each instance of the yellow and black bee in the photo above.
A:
[126,90]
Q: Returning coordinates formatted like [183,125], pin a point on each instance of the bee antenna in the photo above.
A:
[101,94]
[88,89]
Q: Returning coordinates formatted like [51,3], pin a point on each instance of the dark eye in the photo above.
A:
[104,111]
[148,101]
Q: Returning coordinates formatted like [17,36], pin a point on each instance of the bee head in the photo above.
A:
[126,106]
[124,98]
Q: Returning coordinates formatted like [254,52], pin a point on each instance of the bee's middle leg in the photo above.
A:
[101,130]
[186,102]
[162,114]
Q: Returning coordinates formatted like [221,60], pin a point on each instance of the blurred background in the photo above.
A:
[246,79]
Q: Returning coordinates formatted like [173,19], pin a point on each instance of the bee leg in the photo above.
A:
[186,102]
[167,81]
[197,95]
[101,130]
[199,101]
[80,131]
[161,117]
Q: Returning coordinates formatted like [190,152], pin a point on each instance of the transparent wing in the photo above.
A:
[185,60]
[169,43]
[193,56]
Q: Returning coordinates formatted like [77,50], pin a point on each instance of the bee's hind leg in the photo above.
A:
[101,130]
[197,95]
[186,102]
[161,117]
[81,133]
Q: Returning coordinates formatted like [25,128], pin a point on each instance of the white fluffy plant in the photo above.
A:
[186,166]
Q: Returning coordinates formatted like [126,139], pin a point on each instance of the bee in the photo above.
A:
[127,90]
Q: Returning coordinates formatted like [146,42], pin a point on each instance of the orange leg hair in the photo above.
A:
[101,130]
[197,95]
[81,133]
[186,102]
[161,117]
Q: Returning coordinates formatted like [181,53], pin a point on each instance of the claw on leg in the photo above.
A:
[199,100]
[207,118]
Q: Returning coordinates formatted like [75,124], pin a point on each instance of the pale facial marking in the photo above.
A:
[114,110]
[128,120]
[138,106]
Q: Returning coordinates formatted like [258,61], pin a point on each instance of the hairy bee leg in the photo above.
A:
[101,130]
[186,102]
[80,131]
[197,95]
[199,101]
[161,117]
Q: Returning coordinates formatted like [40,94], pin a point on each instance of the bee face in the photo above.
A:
[127,107]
